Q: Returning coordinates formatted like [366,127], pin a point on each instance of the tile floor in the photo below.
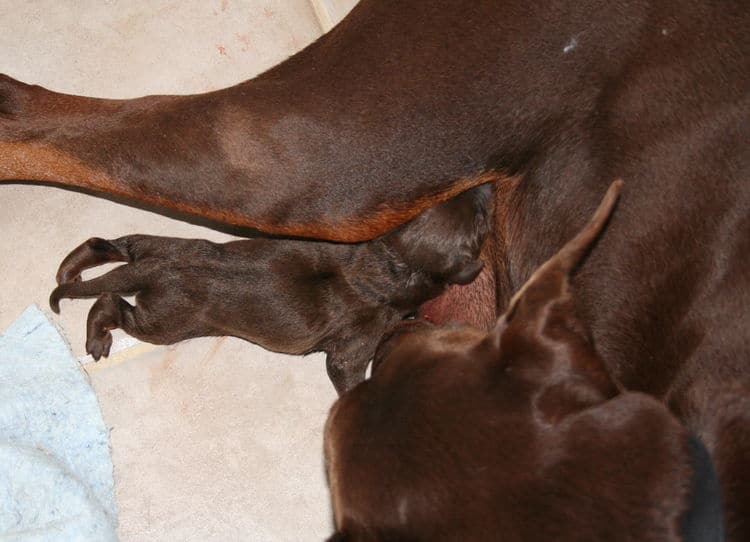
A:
[213,439]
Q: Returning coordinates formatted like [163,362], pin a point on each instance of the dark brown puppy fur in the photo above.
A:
[406,103]
[285,295]
[517,434]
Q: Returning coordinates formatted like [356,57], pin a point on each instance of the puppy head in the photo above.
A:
[459,433]
[444,242]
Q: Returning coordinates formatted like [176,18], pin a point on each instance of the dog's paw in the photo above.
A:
[92,252]
[99,346]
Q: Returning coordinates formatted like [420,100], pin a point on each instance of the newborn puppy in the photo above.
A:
[285,295]
[517,434]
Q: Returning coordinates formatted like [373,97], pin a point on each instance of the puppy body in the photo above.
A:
[516,434]
[286,295]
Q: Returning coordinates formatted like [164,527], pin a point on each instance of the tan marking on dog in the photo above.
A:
[38,162]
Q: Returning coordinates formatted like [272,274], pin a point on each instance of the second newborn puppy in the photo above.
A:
[285,295]
[518,434]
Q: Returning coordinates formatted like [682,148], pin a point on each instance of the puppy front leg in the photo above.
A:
[92,252]
[105,315]
[347,369]
[149,321]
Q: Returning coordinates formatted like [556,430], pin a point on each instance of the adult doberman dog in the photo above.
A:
[404,105]
[514,434]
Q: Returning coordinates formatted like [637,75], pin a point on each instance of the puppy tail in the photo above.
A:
[123,280]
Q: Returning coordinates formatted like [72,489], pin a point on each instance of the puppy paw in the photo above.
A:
[99,346]
[90,253]
[65,290]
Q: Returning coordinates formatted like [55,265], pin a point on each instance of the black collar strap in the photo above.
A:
[703,521]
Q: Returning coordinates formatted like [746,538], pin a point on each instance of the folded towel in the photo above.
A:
[55,467]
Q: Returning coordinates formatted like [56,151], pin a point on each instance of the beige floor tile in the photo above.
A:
[218,440]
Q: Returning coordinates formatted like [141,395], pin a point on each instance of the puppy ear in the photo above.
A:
[549,285]
[540,326]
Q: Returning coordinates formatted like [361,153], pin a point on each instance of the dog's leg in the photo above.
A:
[93,252]
[129,248]
[347,369]
[340,142]
[106,315]
[146,321]
[111,311]
[159,315]
[125,280]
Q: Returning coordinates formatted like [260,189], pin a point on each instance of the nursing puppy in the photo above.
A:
[516,434]
[285,295]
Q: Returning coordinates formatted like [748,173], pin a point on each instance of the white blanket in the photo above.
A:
[55,467]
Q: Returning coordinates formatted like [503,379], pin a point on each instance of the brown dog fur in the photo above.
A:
[516,434]
[285,295]
[407,103]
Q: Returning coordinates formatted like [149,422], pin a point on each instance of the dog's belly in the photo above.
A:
[472,303]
